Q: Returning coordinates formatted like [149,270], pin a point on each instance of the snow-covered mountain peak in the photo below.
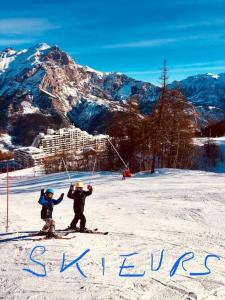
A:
[88,69]
[7,52]
[42,46]
[213,75]
[9,57]
[6,57]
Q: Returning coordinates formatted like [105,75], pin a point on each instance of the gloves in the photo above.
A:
[42,192]
[89,187]
[62,195]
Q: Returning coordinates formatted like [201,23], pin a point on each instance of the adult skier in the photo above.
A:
[79,196]
[47,202]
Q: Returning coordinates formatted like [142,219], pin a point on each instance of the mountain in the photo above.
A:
[44,87]
[207,93]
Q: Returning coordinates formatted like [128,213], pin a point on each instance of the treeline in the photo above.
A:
[72,161]
[214,129]
[163,139]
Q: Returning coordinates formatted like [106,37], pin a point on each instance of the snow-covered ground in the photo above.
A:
[176,210]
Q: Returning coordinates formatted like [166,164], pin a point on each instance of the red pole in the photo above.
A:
[7,193]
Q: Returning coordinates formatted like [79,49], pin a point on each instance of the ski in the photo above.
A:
[95,231]
[57,237]
[61,236]
[73,230]
[47,236]
[38,233]
[90,231]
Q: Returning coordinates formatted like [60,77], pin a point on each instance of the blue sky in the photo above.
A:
[133,37]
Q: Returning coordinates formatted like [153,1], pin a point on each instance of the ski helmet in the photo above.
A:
[79,184]
[50,191]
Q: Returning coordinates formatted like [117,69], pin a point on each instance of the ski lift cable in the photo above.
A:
[118,154]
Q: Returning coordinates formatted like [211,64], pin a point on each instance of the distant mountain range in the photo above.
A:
[44,87]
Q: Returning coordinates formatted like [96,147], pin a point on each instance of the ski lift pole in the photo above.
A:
[66,169]
[118,154]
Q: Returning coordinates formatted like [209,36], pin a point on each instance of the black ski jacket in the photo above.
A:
[79,199]
[48,205]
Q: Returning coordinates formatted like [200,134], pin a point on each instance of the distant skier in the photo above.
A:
[79,196]
[48,203]
[126,174]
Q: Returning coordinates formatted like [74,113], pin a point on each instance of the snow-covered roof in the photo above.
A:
[30,150]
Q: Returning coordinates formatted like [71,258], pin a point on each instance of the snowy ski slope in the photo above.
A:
[176,210]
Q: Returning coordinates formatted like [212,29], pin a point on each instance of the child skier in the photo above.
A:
[79,196]
[48,203]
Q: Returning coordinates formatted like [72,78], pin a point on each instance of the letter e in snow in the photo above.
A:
[123,266]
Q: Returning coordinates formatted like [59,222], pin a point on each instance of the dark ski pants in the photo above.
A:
[77,217]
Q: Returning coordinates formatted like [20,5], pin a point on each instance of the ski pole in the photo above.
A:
[66,169]
[94,167]
[118,154]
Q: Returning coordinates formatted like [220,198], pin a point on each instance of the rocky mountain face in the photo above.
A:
[43,87]
[207,93]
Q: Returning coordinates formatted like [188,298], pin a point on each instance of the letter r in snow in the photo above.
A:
[181,260]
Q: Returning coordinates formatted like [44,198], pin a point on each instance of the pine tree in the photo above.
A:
[157,118]
[125,132]
[172,128]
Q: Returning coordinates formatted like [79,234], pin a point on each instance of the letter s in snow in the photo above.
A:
[43,250]
[206,266]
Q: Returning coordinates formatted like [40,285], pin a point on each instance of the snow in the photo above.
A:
[174,210]
[4,63]
[93,70]
[28,108]
[213,75]
[27,59]
[22,174]
[5,142]
[43,46]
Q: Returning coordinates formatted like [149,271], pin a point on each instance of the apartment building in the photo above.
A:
[71,138]
[56,141]
[26,157]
